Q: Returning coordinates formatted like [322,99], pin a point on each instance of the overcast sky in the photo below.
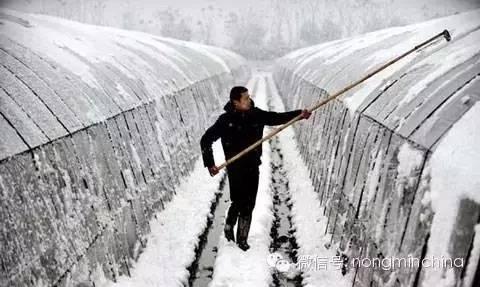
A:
[254,28]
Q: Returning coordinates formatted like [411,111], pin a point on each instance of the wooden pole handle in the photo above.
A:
[445,34]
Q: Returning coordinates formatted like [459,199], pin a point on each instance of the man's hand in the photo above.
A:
[213,170]
[305,114]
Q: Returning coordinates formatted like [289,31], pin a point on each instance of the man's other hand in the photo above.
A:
[213,170]
[305,114]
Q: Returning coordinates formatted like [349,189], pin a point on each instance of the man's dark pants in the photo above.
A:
[243,193]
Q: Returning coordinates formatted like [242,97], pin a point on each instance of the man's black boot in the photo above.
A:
[228,231]
[243,245]
[242,231]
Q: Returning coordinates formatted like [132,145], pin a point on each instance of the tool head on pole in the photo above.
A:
[447,36]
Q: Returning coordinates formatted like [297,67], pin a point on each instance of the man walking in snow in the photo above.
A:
[239,127]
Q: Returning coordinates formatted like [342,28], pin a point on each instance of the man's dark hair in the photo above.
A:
[236,92]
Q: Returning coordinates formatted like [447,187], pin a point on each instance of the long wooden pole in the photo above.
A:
[445,34]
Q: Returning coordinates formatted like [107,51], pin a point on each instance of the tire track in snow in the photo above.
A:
[306,213]
[201,269]
[283,231]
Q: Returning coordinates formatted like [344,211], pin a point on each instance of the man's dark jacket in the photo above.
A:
[238,130]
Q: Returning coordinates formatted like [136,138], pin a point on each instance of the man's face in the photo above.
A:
[244,103]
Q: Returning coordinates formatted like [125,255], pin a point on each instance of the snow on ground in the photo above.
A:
[174,233]
[307,214]
[234,267]
[474,260]
[455,176]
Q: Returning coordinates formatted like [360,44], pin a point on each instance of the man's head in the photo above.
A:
[240,98]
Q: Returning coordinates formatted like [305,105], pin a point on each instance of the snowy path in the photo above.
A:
[186,243]
[234,267]
[201,270]
[277,207]
[307,215]
[283,231]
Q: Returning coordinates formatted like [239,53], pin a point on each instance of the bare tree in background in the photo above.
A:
[247,34]
[310,33]
[173,24]
[207,24]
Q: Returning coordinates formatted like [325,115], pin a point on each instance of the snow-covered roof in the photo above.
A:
[431,97]
[59,76]
[421,96]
